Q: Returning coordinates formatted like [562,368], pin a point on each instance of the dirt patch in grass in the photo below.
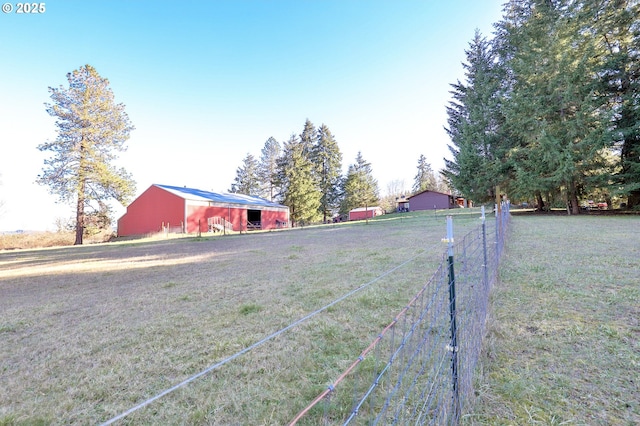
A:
[88,332]
[564,337]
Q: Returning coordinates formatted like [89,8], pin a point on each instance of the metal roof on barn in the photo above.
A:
[226,198]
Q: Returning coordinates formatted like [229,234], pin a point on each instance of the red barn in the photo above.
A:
[192,210]
[431,200]
[365,213]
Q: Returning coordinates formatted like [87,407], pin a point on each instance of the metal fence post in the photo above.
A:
[484,249]
[453,346]
[497,241]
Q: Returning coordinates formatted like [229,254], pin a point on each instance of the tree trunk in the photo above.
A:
[633,200]
[82,190]
[81,201]
[79,219]
[573,199]
[575,206]
[539,201]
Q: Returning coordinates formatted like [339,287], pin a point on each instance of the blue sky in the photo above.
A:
[207,82]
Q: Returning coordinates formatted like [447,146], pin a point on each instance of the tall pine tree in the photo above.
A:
[475,125]
[296,179]
[308,139]
[550,103]
[616,27]
[425,177]
[360,187]
[552,108]
[327,159]
[92,129]
[268,168]
[247,180]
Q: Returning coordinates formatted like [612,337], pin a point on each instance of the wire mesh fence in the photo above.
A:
[420,368]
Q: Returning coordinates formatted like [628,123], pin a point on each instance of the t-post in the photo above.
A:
[484,249]
[453,345]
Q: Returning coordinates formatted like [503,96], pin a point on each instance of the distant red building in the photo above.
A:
[191,210]
[365,213]
[431,200]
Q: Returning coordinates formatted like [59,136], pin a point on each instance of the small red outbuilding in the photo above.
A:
[191,210]
[365,213]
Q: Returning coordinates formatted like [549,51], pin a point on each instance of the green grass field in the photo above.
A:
[564,337]
[89,332]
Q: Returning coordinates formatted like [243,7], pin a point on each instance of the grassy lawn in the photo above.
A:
[88,332]
[564,338]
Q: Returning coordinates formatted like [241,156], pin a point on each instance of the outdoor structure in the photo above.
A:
[365,213]
[188,210]
[402,203]
[463,202]
[431,200]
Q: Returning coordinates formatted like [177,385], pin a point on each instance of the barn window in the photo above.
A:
[254,219]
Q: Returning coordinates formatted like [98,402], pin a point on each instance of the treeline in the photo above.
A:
[549,109]
[305,174]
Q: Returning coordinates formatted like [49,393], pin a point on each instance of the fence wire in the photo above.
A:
[419,369]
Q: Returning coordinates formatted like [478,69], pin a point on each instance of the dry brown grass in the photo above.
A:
[31,240]
[87,332]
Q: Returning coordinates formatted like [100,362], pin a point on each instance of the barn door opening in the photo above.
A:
[254,219]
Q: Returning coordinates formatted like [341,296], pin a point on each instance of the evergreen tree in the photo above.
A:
[360,187]
[548,102]
[616,27]
[475,125]
[552,108]
[247,180]
[268,168]
[92,129]
[296,178]
[425,178]
[327,159]
[308,139]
